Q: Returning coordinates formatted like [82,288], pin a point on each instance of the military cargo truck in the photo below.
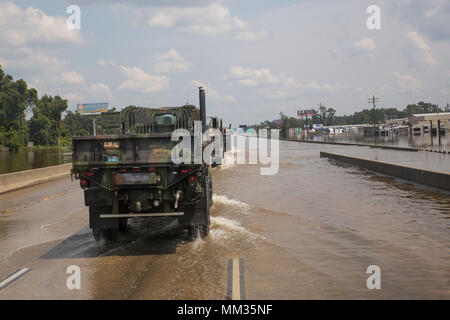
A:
[131,174]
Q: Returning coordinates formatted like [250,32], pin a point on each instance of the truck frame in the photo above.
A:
[131,174]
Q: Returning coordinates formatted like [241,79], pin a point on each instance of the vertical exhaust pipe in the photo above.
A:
[201,94]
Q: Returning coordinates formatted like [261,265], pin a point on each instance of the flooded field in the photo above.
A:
[308,232]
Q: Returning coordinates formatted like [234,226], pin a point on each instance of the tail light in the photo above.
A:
[84,184]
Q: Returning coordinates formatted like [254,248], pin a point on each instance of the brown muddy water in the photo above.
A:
[13,161]
[318,225]
[423,141]
[308,232]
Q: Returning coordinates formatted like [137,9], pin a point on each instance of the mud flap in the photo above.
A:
[199,214]
[194,215]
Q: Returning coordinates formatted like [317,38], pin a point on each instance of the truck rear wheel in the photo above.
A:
[102,234]
[196,232]
[123,224]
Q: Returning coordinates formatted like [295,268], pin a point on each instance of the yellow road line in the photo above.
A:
[236,282]
[236,289]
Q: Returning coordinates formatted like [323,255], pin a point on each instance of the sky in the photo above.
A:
[255,58]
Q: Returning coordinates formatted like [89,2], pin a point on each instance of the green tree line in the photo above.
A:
[16,100]
[45,127]
[366,116]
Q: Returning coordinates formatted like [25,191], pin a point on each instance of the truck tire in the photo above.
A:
[198,232]
[102,234]
[123,225]
[105,229]
[202,231]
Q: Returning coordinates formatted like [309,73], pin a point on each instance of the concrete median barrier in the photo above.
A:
[430,178]
[22,179]
[379,146]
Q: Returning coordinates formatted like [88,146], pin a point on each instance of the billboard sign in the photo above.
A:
[306,113]
[87,108]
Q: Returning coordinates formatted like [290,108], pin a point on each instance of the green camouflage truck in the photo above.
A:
[131,174]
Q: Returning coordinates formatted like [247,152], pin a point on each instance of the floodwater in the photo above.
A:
[423,141]
[432,161]
[308,232]
[12,161]
[333,221]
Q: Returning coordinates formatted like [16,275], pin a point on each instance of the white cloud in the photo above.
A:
[275,86]
[211,20]
[171,61]
[138,80]
[420,43]
[367,44]
[213,94]
[100,91]
[254,78]
[72,78]
[99,87]
[88,93]
[22,27]
[104,63]
[162,20]
[28,41]
[74,97]
[208,20]
[406,81]
[184,3]
[248,35]
[31,61]
[430,13]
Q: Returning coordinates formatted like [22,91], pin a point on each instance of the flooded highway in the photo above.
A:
[308,232]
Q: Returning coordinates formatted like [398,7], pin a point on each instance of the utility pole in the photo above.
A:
[431,132]
[438,133]
[322,115]
[23,131]
[373,100]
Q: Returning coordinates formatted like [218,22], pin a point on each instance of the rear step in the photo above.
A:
[131,215]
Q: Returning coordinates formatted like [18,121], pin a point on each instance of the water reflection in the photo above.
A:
[12,161]
[423,141]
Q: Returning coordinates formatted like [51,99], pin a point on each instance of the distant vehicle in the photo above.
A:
[132,174]
[317,126]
